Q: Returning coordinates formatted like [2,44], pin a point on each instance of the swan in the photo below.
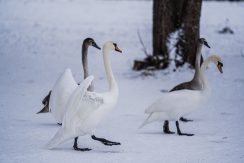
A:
[65,85]
[176,104]
[85,109]
[194,84]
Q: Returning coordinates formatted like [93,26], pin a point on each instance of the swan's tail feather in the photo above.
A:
[44,110]
[57,139]
[45,102]
[146,121]
[46,99]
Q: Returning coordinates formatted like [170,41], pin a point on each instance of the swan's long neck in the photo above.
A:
[113,87]
[197,63]
[85,64]
[203,69]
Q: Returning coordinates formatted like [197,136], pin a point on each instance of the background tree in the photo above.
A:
[181,17]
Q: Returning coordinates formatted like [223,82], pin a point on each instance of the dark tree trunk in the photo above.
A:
[162,26]
[168,17]
[190,24]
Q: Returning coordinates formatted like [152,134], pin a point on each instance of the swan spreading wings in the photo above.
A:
[85,109]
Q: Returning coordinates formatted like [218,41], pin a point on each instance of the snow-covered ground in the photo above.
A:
[39,39]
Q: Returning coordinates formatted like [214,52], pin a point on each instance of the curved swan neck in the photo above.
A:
[203,69]
[205,64]
[84,53]
[109,73]
[197,62]
[198,57]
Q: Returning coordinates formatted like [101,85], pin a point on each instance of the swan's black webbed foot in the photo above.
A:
[185,120]
[60,124]
[75,146]
[179,132]
[81,149]
[166,128]
[185,134]
[104,141]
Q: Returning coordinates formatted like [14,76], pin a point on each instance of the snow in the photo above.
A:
[40,38]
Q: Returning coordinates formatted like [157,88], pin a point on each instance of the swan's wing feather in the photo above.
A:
[93,98]
[175,100]
[76,98]
[181,86]
[62,90]
[91,101]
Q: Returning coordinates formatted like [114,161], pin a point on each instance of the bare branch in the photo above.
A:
[143,45]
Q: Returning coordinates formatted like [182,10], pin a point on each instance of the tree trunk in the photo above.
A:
[168,17]
[190,24]
[162,26]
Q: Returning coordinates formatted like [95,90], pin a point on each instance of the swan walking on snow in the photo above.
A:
[176,104]
[194,84]
[65,85]
[86,109]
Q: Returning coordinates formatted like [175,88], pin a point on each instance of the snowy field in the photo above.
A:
[40,38]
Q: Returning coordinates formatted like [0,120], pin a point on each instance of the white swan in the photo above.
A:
[174,105]
[57,99]
[194,84]
[84,113]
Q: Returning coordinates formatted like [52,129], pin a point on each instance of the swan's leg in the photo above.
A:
[166,128]
[104,141]
[185,120]
[179,132]
[75,146]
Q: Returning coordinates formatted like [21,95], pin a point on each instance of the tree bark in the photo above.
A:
[168,17]
[190,24]
[162,26]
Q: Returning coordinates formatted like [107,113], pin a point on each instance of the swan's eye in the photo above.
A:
[115,45]
[201,40]
[220,64]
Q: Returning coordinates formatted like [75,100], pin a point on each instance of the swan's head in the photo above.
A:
[91,42]
[217,60]
[112,46]
[203,41]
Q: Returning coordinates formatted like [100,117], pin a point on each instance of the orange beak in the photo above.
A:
[118,50]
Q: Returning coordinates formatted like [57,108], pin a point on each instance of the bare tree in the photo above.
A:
[169,16]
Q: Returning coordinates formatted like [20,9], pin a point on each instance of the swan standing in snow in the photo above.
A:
[194,84]
[65,85]
[85,112]
[176,104]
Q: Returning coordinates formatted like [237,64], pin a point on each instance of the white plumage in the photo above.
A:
[62,90]
[86,109]
[173,105]
[68,129]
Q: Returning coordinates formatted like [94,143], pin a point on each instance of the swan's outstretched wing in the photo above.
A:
[75,100]
[177,100]
[62,90]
